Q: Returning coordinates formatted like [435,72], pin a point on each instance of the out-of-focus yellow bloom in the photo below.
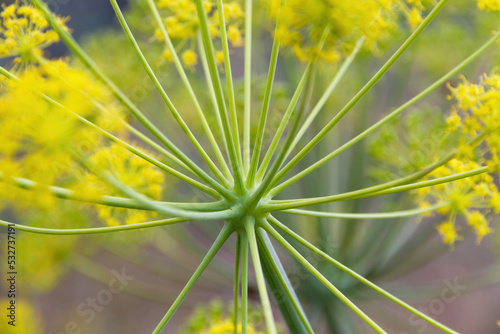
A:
[28,320]
[181,23]
[212,319]
[302,24]
[468,197]
[36,136]
[489,5]
[133,172]
[24,32]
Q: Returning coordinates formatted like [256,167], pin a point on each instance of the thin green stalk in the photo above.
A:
[249,223]
[381,189]
[229,79]
[226,231]
[383,121]
[247,110]
[165,97]
[122,143]
[270,258]
[93,230]
[367,87]
[244,283]
[284,121]
[94,69]
[236,295]
[268,228]
[113,201]
[210,85]
[349,271]
[328,92]
[226,124]
[187,84]
[379,215]
[259,138]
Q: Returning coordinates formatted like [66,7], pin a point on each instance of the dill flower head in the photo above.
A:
[181,22]
[24,32]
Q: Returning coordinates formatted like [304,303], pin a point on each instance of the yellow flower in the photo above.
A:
[181,23]
[28,320]
[448,233]
[24,32]
[190,58]
[489,5]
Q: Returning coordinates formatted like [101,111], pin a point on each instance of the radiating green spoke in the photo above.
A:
[321,278]
[259,137]
[349,271]
[247,121]
[378,215]
[93,230]
[226,231]
[261,284]
[244,283]
[236,292]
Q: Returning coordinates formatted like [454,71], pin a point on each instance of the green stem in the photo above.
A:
[380,215]
[352,273]
[281,287]
[266,226]
[187,84]
[93,230]
[226,124]
[244,283]
[119,202]
[226,231]
[367,87]
[247,86]
[236,295]
[165,96]
[261,283]
[259,138]
[229,79]
[383,121]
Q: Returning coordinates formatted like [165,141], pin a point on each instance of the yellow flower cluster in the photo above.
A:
[211,319]
[181,23]
[24,32]
[489,5]
[130,170]
[471,198]
[302,25]
[477,114]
